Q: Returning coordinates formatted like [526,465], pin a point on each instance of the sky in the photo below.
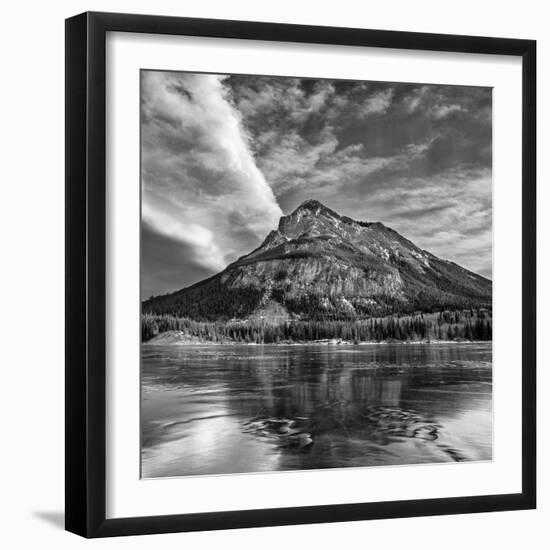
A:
[224,157]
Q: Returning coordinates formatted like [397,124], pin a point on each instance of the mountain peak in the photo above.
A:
[312,208]
[310,204]
[315,207]
[307,215]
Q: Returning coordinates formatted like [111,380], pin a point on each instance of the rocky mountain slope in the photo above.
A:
[320,265]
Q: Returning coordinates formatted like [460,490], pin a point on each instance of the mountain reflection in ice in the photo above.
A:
[229,409]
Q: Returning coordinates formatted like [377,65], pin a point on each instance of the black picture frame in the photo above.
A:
[86,285]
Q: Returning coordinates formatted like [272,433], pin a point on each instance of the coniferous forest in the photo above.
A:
[469,325]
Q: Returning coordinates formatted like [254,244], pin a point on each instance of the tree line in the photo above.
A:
[472,324]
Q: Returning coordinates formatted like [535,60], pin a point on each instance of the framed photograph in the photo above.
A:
[300,274]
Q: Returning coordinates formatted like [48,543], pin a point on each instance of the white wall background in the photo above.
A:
[32,273]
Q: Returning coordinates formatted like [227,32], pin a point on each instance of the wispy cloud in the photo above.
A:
[198,172]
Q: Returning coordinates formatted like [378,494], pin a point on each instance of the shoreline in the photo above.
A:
[175,338]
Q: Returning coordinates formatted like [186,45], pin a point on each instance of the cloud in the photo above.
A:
[203,247]
[200,182]
[167,263]
[443,111]
[439,102]
[295,124]
[412,101]
[377,103]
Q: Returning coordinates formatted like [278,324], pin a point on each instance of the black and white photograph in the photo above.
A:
[274,276]
[316,263]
